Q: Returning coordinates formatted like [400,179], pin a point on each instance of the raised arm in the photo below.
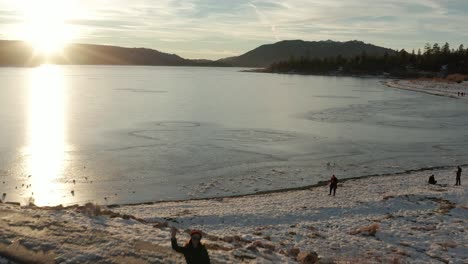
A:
[174,244]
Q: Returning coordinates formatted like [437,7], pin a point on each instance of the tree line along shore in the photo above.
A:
[433,61]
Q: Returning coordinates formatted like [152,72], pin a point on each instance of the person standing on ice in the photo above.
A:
[458,179]
[333,184]
[194,251]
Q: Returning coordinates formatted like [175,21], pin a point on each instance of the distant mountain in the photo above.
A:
[18,53]
[112,55]
[265,55]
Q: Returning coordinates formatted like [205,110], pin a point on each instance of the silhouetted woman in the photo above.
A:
[333,185]
[194,252]
[458,179]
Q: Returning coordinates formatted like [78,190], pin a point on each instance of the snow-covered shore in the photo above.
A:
[440,88]
[384,219]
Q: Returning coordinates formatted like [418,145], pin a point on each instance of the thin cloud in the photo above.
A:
[185,27]
[264,20]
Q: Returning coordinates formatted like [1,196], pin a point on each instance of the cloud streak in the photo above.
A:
[212,28]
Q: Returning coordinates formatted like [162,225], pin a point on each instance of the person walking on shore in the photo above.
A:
[458,179]
[194,251]
[333,184]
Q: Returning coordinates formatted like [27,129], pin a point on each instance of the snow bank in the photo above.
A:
[449,89]
[370,220]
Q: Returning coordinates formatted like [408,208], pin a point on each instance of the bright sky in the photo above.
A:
[214,29]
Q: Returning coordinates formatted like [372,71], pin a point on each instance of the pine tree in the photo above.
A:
[446,49]
[428,49]
[436,48]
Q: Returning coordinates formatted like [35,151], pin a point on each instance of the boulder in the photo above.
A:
[293,252]
[260,244]
[307,257]
[160,225]
[243,253]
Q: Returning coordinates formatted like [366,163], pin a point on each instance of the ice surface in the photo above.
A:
[138,134]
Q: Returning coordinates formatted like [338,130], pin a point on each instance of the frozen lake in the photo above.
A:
[72,134]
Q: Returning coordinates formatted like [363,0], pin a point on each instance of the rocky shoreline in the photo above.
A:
[383,219]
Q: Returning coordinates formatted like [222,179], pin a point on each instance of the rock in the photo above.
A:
[252,247]
[327,260]
[128,217]
[160,225]
[259,244]
[210,246]
[90,209]
[370,230]
[335,245]
[210,237]
[228,239]
[293,252]
[243,253]
[307,257]
[110,213]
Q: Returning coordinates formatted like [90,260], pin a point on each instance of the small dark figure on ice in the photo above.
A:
[194,251]
[432,179]
[458,179]
[333,184]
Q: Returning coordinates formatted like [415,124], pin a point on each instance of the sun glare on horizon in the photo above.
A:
[45,24]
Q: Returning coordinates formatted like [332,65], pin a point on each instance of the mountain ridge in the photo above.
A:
[266,54]
[19,53]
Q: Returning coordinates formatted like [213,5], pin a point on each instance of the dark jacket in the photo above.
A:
[334,181]
[192,255]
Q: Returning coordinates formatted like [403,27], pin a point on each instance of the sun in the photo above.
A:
[45,24]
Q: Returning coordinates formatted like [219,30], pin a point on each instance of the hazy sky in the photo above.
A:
[220,28]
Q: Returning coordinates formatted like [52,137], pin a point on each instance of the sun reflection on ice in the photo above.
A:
[47,142]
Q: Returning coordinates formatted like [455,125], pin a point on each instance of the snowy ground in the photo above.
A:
[450,89]
[386,219]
